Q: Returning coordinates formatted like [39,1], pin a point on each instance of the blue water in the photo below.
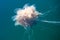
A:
[42,31]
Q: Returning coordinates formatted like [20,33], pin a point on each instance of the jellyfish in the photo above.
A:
[27,17]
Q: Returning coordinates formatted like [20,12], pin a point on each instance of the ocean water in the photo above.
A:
[41,31]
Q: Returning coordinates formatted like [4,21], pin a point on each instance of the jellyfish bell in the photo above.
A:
[26,16]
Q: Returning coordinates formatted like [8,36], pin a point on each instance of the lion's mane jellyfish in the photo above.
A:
[27,16]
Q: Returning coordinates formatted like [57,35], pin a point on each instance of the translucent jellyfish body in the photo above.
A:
[27,16]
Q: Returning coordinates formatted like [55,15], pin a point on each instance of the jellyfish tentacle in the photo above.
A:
[50,21]
[28,33]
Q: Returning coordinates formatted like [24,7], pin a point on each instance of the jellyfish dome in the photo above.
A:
[27,16]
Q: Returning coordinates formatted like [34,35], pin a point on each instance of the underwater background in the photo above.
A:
[41,31]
